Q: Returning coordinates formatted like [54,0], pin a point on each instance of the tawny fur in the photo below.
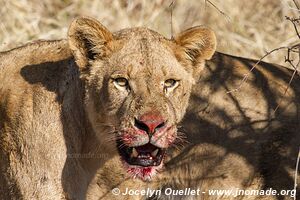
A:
[59,114]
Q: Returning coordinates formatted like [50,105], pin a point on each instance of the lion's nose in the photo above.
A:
[149,123]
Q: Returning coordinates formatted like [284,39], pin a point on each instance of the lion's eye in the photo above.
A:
[122,82]
[170,83]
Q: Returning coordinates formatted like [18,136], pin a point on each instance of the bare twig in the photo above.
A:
[286,89]
[290,49]
[294,21]
[219,10]
[171,6]
[296,4]
[287,59]
[245,78]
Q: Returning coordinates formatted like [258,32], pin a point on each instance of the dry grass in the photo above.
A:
[253,27]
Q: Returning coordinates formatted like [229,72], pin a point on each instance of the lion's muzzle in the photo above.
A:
[145,142]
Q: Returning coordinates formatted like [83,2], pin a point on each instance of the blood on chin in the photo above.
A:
[143,173]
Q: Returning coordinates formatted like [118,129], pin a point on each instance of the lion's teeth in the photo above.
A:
[134,153]
[154,153]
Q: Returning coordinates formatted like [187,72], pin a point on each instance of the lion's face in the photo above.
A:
[137,87]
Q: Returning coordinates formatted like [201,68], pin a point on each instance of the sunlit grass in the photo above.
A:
[251,28]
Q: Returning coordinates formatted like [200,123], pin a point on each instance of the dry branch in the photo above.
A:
[218,9]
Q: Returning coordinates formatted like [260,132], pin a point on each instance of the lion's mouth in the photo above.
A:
[145,155]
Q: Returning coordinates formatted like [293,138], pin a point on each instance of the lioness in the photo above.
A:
[101,116]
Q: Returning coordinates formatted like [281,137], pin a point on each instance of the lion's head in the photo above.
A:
[138,83]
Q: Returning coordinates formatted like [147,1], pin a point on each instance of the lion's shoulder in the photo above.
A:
[35,52]
[40,67]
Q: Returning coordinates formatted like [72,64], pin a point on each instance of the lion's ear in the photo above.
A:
[88,39]
[197,44]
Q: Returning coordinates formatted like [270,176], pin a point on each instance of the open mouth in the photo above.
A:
[145,155]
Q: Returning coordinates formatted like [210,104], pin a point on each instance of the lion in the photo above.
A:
[105,115]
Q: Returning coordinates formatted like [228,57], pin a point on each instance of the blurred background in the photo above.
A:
[243,28]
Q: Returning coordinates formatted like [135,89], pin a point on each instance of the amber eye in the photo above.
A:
[122,82]
[170,83]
